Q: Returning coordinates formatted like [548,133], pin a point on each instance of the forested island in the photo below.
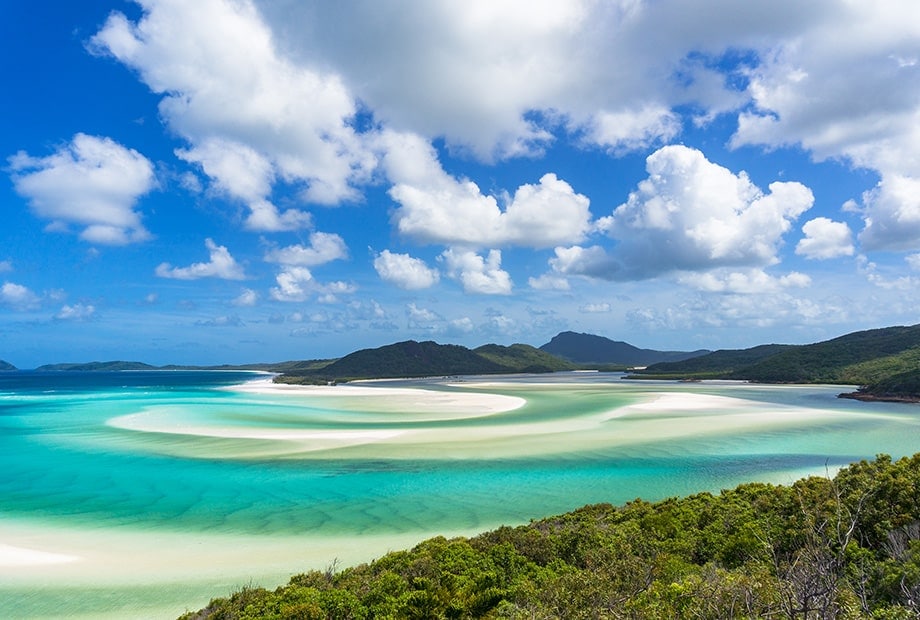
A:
[884,363]
[841,547]
[428,359]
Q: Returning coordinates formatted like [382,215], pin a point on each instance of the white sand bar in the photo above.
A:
[405,398]
[12,556]
[395,422]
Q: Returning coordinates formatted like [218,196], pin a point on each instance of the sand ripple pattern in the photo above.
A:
[443,419]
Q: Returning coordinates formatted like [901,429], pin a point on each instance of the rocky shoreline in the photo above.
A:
[886,398]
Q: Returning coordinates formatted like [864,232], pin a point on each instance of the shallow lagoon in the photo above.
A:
[141,494]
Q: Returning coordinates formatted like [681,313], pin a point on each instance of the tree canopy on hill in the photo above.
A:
[842,548]
[410,359]
[429,359]
[903,386]
[831,361]
[719,363]
[523,358]
[871,359]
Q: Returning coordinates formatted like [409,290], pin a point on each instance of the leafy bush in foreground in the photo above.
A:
[842,548]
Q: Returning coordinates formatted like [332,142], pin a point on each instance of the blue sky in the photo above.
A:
[244,180]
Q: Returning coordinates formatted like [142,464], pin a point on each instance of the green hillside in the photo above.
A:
[877,369]
[523,358]
[402,359]
[838,360]
[428,359]
[718,363]
[903,386]
[411,359]
[847,547]
[883,361]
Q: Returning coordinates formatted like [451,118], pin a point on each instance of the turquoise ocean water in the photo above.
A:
[153,458]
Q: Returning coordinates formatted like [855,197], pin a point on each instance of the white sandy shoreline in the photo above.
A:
[14,556]
[417,396]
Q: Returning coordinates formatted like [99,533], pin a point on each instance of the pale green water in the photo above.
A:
[163,490]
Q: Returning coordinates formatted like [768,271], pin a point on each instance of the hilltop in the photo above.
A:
[6,366]
[427,359]
[884,362]
[591,349]
[98,366]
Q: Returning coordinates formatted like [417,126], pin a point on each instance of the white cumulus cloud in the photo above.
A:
[825,238]
[749,281]
[298,284]
[247,298]
[294,284]
[93,183]
[892,214]
[406,272]
[602,70]
[592,261]
[324,248]
[694,215]
[221,265]
[18,297]
[477,274]
[858,102]
[240,171]
[435,207]
[76,312]
[237,99]
[631,130]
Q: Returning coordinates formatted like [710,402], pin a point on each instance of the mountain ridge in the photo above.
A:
[883,362]
[411,358]
[582,348]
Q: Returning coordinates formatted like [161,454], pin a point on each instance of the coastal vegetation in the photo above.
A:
[841,547]
[884,362]
[524,358]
